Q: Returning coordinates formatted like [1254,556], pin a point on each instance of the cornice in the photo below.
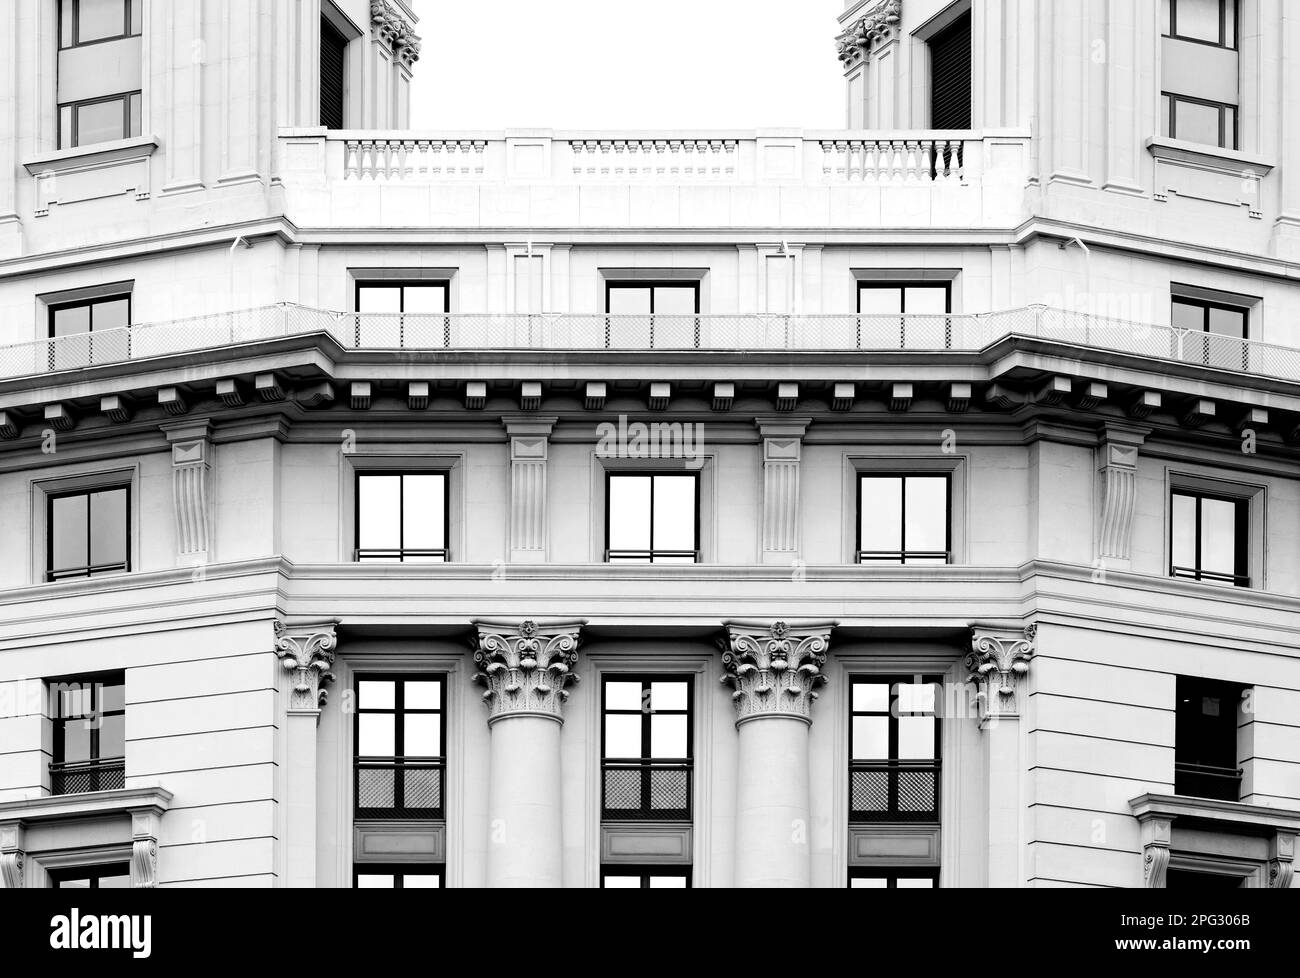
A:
[123,801]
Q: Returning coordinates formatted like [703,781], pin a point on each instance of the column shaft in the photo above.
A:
[772,804]
[525,841]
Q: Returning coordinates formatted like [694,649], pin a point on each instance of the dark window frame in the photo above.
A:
[402,552]
[939,41]
[632,556]
[54,575]
[648,763]
[893,766]
[1205,306]
[129,8]
[650,285]
[1190,773]
[883,560]
[55,307]
[92,874]
[97,770]
[399,872]
[401,285]
[645,872]
[892,875]
[901,286]
[1227,111]
[1224,20]
[399,762]
[1241,543]
[74,140]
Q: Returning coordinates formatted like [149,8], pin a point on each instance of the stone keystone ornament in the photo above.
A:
[527,668]
[774,670]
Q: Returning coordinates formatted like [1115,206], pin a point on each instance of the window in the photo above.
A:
[88,714]
[400,731]
[950,76]
[99,120]
[904,519]
[333,56]
[1186,879]
[111,876]
[89,21]
[1208,535]
[646,748]
[88,533]
[1200,120]
[1205,739]
[893,879]
[913,315]
[1218,331]
[652,519]
[395,314]
[402,518]
[399,877]
[73,329]
[655,315]
[1207,21]
[644,878]
[894,749]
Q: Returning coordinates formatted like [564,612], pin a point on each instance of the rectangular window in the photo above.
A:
[646,739]
[893,879]
[652,315]
[950,76]
[1200,120]
[99,120]
[110,876]
[904,315]
[393,315]
[333,58]
[402,518]
[1208,538]
[1205,739]
[644,878]
[88,714]
[400,733]
[89,331]
[90,21]
[398,877]
[904,519]
[1207,21]
[1218,333]
[894,749]
[652,519]
[88,533]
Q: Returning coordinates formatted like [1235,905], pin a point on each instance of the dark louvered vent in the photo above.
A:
[950,70]
[332,46]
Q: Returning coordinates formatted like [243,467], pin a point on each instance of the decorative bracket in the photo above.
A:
[526,667]
[774,670]
[999,657]
[145,826]
[1118,467]
[11,855]
[1281,860]
[1157,835]
[191,467]
[782,453]
[308,652]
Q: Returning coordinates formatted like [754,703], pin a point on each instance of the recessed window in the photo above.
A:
[110,876]
[400,877]
[1205,739]
[1200,120]
[402,518]
[897,298]
[894,749]
[646,748]
[950,76]
[904,519]
[89,331]
[652,298]
[648,878]
[1207,21]
[893,879]
[88,533]
[88,715]
[652,519]
[89,21]
[333,59]
[412,297]
[99,120]
[1218,331]
[400,759]
[400,314]
[1208,538]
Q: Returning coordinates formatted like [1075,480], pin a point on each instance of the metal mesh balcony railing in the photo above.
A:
[1207,781]
[894,791]
[399,787]
[77,777]
[669,333]
[646,790]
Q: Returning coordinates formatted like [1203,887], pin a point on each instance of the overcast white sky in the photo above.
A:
[610,64]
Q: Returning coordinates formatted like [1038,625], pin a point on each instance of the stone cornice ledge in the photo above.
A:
[1258,817]
[92,804]
[97,154]
[1212,157]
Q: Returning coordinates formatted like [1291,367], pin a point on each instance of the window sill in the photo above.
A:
[91,804]
[1229,161]
[138,147]
[1225,813]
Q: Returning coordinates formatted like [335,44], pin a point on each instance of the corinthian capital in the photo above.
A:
[774,670]
[998,658]
[308,652]
[880,23]
[527,667]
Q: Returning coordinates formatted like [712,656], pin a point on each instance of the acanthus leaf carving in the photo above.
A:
[878,24]
[776,669]
[527,668]
[308,652]
[998,659]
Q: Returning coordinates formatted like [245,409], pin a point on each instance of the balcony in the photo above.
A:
[543,333]
[79,777]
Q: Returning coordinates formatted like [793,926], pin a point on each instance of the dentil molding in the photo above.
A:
[527,667]
[308,652]
[774,670]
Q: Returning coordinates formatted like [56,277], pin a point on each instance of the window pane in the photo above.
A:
[423,694]
[668,735]
[674,300]
[1196,123]
[112,736]
[622,735]
[112,697]
[70,884]
[100,122]
[135,125]
[375,736]
[871,738]
[1184,531]
[868,883]
[915,738]
[65,127]
[73,320]
[135,15]
[76,740]
[1188,316]
[419,881]
[880,302]
[668,696]
[1197,19]
[674,508]
[424,512]
[380,512]
[629,513]
[70,517]
[926,299]
[1228,322]
[379,298]
[623,696]
[108,527]
[881,509]
[422,735]
[870,698]
[906,883]
[916,697]
[73,700]
[371,881]
[667,882]
[927,515]
[98,19]
[426,298]
[622,882]
[66,23]
[1218,536]
[374,694]
[629,301]
[112,314]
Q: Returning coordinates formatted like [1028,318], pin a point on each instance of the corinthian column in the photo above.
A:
[526,668]
[774,671]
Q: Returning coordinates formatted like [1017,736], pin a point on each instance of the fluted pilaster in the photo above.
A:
[998,659]
[1118,466]
[191,472]
[782,453]
[529,451]
[526,667]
